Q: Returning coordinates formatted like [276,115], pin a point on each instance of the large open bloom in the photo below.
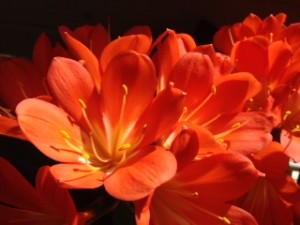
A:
[200,191]
[103,138]
[275,193]
[46,204]
[214,97]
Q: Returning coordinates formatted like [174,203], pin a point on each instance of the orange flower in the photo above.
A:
[201,189]
[47,204]
[271,28]
[103,138]
[214,96]
[274,193]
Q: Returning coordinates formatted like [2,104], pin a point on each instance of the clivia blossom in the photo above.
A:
[104,138]
[46,204]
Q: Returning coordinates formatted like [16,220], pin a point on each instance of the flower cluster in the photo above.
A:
[187,133]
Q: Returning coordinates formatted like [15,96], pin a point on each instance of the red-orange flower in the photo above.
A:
[200,191]
[46,204]
[103,138]
[274,193]
[270,27]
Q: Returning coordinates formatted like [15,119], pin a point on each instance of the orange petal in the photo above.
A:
[193,74]
[138,180]
[16,191]
[76,176]
[138,42]
[232,172]
[10,128]
[71,83]
[248,53]
[161,116]
[128,87]
[83,53]
[58,131]
[57,197]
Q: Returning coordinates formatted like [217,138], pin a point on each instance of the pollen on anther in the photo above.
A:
[225,220]
[286,114]
[65,134]
[125,89]
[125,146]
[236,125]
[213,89]
[82,103]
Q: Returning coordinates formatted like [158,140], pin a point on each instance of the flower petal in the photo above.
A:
[10,128]
[161,116]
[136,42]
[71,83]
[138,180]
[221,177]
[128,87]
[76,176]
[83,53]
[50,129]
[57,197]
[193,74]
[16,191]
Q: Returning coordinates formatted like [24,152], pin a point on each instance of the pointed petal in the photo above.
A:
[128,87]
[9,127]
[138,180]
[76,176]
[185,147]
[251,132]
[142,210]
[20,80]
[161,116]
[50,129]
[83,53]
[193,74]
[232,172]
[16,191]
[57,197]
[42,53]
[71,83]
[230,95]
[248,53]
[138,42]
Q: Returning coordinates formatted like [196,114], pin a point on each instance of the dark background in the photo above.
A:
[21,22]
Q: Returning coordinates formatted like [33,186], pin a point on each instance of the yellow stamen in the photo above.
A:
[296,129]
[125,88]
[271,36]
[82,103]
[125,147]
[224,219]
[65,134]
[286,114]
[236,125]
[213,89]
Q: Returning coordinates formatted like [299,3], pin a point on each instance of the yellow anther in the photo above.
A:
[82,103]
[125,147]
[195,194]
[271,36]
[296,129]
[213,89]
[65,134]
[236,125]
[125,89]
[286,114]
[86,156]
[225,219]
